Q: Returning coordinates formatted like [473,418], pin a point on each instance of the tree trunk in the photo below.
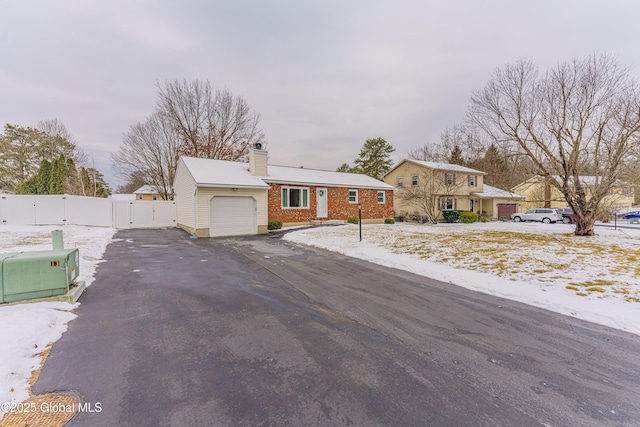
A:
[584,226]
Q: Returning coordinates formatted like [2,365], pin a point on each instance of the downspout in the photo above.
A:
[195,213]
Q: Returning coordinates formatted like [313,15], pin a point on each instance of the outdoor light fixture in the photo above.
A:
[235,189]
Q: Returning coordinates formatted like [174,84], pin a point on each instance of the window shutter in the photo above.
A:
[305,198]
[285,202]
[454,179]
[439,203]
[455,202]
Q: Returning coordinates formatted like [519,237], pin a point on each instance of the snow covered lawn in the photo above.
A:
[592,278]
[29,329]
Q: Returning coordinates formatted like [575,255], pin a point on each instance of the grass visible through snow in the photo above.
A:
[548,255]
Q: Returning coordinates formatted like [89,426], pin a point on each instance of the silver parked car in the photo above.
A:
[546,215]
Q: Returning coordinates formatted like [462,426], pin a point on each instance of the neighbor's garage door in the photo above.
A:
[506,209]
[233,216]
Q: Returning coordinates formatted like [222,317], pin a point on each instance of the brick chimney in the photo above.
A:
[258,160]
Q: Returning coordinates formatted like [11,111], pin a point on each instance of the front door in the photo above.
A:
[321,203]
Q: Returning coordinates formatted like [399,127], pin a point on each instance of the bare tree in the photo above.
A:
[430,152]
[211,124]
[583,112]
[150,151]
[57,130]
[430,194]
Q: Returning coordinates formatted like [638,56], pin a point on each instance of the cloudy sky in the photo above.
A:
[324,75]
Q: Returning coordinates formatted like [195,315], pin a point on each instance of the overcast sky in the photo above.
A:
[324,75]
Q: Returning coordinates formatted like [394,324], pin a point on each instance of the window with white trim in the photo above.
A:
[381,197]
[473,180]
[447,203]
[353,196]
[400,182]
[295,197]
[414,180]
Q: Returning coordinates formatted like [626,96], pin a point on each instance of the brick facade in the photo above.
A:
[338,204]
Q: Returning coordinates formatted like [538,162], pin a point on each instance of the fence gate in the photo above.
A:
[79,210]
[144,214]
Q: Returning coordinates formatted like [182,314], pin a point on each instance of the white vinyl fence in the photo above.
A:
[79,210]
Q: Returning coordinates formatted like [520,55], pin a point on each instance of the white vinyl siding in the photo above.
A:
[204,198]
[185,196]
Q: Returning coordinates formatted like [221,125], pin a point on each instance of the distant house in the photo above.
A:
[147,192]
[223,198]
[452,187]
[538,192]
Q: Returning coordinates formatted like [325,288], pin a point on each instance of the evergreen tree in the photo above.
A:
[29,186]
[19,158]
[375,158]
[43,178]
[72,184]
[94,183]
[59,174]
[345,167]
[497,168]
[22,150]
[456,157]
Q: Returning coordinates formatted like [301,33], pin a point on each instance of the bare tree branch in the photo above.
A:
[211,124]
[580,119]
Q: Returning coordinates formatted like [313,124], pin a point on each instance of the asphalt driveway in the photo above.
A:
[257,331]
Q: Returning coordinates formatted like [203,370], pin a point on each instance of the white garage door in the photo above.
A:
[233,216]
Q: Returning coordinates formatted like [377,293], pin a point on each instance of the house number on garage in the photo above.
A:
[321,192]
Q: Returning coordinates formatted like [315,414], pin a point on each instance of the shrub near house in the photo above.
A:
[468,217]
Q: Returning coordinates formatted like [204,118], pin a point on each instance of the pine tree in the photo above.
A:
[94,183]
[59,174]
[22,150]
[43,179]
[375,158]
[345,167]
[456,157]
[29,186]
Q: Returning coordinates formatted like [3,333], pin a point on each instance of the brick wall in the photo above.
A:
[338,205]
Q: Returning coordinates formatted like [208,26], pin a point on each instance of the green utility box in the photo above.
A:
[40,274]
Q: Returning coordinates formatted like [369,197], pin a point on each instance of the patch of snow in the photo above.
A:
[30,327]
[522,281]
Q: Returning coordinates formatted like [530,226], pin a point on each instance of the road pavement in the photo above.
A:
[257,331]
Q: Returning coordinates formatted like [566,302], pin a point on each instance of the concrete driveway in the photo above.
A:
[259,332]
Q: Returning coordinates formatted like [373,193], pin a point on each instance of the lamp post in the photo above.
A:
[360,219]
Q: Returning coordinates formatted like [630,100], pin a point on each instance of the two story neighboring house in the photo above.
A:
[449,187]
[540,193]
